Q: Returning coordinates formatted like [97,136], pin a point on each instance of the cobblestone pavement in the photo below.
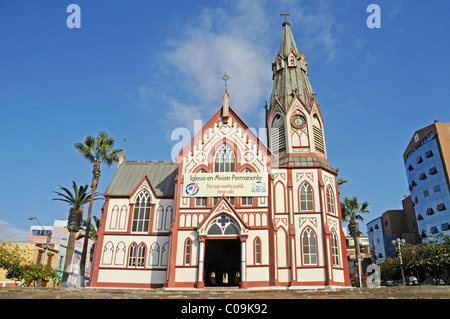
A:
[417,292]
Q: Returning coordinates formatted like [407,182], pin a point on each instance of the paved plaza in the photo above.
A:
[415,292]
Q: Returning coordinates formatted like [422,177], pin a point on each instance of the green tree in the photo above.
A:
[15,261]
[351,211]
[76,200]
[96,150]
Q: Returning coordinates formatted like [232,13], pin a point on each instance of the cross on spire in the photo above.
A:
[225,78]
[285,15]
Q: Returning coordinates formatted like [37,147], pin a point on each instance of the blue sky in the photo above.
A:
[142,68]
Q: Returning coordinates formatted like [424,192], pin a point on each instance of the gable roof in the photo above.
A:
[161,176]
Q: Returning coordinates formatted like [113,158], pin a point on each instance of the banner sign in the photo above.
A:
[228,184]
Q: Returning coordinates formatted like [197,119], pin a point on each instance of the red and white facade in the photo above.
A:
[151,237]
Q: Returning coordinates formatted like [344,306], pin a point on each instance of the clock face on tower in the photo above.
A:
[298,121]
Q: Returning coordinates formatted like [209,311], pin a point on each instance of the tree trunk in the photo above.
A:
[95,179]
[353,228]
[68,261]
[73,225]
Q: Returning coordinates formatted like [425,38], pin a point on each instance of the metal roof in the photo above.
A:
[161,176]
[306,161]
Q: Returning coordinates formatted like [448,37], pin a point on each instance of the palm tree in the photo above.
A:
[96,150]
[77,199]
[341,181]
[93,231]
[351,211]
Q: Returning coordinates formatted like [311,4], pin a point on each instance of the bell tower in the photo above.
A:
[294,121]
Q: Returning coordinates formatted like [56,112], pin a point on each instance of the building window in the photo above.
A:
[441,207]
[318,134]
[137,256]
[334,248]
[223,225]
[232,200]
[432,171]
[309,247]
[423,176]
[225,160]
[429,154]
[247,201]
[437,188]
[257,251]
[419,160]
[430,211]
[278,145]
[306,198]
[200,201]
[141,256]
[330,197]
[141,216]
[426,193]
[410,168]
[40,232]
[187,252]
[132,256]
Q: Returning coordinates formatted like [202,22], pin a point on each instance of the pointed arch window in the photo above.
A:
[309,246]
[136,257]
[330,199]
[306,197]
[141,256]
[318,134]
[334,248]
[225,160]
[132,256]
[223,225]
[187,252]
[278,144]
[141,216]
[257,249]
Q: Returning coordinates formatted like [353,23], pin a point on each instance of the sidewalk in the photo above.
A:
[417,292]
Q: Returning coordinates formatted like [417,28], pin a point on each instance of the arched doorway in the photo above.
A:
[222,266]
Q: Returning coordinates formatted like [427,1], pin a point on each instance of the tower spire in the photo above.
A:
[289,72]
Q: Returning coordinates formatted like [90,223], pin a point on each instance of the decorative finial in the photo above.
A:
[225,78]
[285,15]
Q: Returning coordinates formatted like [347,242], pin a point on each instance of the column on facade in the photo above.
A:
[201,261]
[243,283]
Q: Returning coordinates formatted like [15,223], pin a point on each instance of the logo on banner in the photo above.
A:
[258,187]
[192,189]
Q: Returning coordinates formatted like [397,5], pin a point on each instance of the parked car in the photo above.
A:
[390,283]
[412,280]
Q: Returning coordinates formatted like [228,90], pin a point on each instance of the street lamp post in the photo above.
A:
[48,239]
[398,242]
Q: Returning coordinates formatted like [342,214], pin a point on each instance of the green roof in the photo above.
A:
[161,176]
[309,161]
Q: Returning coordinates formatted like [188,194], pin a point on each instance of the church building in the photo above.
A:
[231,211]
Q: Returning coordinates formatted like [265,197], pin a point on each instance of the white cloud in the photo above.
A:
[238,40]
[222,41]
[9,232]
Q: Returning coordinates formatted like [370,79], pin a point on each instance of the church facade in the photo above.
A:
[231,211]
